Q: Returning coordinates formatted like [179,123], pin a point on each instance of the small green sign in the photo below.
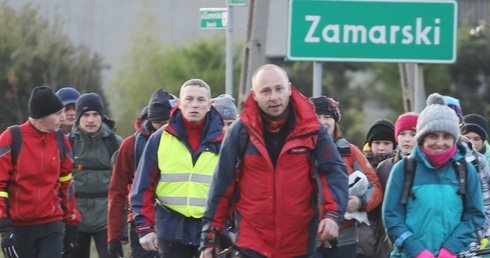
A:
[213,18]
[413,31]
[238,2]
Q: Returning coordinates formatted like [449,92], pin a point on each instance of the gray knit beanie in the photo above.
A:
[225,104]
[437,117]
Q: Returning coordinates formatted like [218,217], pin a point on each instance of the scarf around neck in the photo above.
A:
[439,159]
[274,125]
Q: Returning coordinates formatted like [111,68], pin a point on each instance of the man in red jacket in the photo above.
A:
[273,191]
[32,215]
[154,116]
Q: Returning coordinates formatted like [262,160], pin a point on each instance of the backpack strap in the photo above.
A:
[242,145]
[60,141]
[461,169]
[409,166]
[16,144]
[112,144]
[73,141]
[139,146]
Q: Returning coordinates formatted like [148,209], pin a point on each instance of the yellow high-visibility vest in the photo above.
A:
[183,187]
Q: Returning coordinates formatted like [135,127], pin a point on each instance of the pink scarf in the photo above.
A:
[439,159]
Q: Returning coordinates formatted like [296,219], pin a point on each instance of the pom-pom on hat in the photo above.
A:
[476,124]
[326,106]
[225,104]
[89,102]
[407,121]
[437,117]
[381,130]
[43,102]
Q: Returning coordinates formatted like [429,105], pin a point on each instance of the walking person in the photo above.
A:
[154,116]
[37,206]
[68,96]
[225,105]
[94,141]
[328,112]
[172,180]
[435,214]
[475,128]
[380,145]
[273,190]
[405,129]
[476,124]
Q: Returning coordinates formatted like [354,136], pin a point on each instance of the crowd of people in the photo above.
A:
[199,178]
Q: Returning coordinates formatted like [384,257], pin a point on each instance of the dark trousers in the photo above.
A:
[170,250]
[40,241]
[346,251]
[136,250]
[100,240]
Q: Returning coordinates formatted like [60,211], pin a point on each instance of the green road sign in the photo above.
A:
[213,18]
[413,31]
[238,2]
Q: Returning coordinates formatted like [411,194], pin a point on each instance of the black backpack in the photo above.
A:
[409,166]
[16,144]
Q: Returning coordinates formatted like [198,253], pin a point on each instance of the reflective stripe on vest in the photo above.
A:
[182,186]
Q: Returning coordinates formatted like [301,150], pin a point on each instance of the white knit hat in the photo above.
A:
[437,117]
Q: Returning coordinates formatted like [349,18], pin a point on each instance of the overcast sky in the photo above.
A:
[106,25]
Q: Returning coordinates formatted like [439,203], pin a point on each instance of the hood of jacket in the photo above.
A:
[140,123]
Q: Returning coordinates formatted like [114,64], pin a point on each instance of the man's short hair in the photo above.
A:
[199,83]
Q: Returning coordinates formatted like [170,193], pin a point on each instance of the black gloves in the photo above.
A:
[115,249]
[70,241]
[9,242]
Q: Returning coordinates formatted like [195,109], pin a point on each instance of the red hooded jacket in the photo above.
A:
[277,209]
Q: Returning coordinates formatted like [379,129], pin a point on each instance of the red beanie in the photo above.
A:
[407,121]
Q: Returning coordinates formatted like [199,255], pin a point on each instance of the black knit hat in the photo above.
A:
[382,130]
[43,102]
[159,106]
[324,107]
[88,102]
[476,124]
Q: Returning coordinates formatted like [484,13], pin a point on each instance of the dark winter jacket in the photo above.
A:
[92,172]
[148,217]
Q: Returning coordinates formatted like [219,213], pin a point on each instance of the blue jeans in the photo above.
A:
[40,241]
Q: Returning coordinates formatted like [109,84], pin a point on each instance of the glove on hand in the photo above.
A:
[70,240]
[9,241]
[425,254]
[444,253]
[115,249]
